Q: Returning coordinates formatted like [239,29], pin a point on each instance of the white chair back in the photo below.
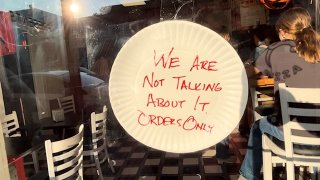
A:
[296,132]
[99,141]
[99,128]
[301,128]
[10,125]
[67,104]
[65,157]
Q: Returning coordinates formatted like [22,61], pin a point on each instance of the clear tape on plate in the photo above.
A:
[178,86]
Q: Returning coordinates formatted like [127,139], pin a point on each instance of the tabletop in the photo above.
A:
[70,120]
[265,82]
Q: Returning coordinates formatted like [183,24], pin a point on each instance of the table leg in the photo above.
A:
[35,160]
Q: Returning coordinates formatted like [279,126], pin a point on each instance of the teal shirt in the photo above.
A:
[258,51]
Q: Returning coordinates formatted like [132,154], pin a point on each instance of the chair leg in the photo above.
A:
[267,165]
[97,162]
[267,160]
[290,171]
[111,163]
[35,160]
[109,160]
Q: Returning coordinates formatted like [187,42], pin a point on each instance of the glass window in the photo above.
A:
[57,48]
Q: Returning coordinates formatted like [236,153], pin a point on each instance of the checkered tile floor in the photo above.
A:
[135,161]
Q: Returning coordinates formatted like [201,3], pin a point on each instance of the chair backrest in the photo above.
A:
[67,104]
[65,157]
[301,119]
[10,125]
[99,130]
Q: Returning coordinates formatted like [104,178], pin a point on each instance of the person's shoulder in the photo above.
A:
[282,44]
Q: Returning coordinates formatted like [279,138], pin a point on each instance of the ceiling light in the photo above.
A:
[74,7]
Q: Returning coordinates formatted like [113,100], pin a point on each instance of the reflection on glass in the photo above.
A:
[47,51]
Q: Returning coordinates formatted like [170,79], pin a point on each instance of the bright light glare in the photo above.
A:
[74,8]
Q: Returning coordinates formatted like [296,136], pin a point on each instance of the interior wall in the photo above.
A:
[47,54]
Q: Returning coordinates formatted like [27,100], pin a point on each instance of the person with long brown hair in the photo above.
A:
[295,61]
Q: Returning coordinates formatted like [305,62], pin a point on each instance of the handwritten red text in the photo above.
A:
[205,65]
[160,102]
[188,124]
[168,62]
[183,84]
[153,82]
[202,104]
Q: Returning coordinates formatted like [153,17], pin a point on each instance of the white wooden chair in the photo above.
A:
[67,104]
[10,125]
[64,157]
[295,133]
[99,145]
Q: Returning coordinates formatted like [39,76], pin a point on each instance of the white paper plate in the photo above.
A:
[137,85]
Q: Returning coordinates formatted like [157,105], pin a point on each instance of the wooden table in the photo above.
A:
[70,121]
[265,82]
[265,86]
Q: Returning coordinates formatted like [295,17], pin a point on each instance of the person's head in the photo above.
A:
[223,31]
[295,24]
[264,34]
[214,20]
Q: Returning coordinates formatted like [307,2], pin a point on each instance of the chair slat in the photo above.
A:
[8,120]
[71,172]
[69,163]
[303,126]
[99,138]
[305,140]
[100,116]
[62,144]
[304,112]
[303,95]
[100,124]
[100,132]
[69,153]
[8,127]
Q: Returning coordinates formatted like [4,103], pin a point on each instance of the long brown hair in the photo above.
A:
[297,22]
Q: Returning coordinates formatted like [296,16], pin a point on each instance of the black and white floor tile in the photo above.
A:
[135,161]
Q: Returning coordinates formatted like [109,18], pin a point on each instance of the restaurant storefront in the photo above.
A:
[51,49]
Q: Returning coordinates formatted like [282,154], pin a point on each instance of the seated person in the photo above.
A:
[295,61]
[262,37]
